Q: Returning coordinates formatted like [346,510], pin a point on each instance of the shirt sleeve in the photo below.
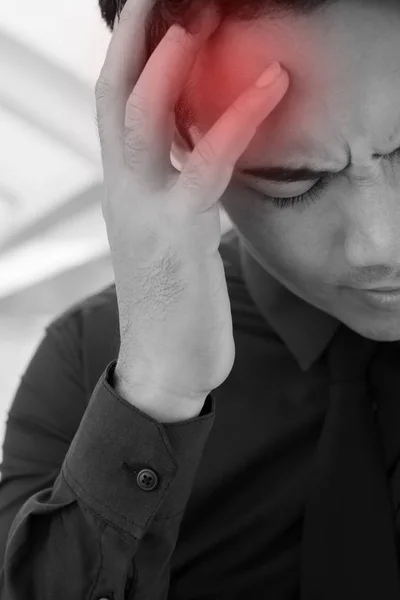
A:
[91,495]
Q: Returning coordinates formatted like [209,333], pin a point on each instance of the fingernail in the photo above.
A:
[269,75]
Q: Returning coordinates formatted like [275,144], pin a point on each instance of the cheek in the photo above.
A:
[295,243]
[301,239]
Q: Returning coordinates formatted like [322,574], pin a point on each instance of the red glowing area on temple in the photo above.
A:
[236,55]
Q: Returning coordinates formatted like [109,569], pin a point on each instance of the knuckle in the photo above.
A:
[136,105]
[190,177]
[207,150]
[104,96]
[102,88]
[134,145]
[238,110]
[99,126]
[133,139]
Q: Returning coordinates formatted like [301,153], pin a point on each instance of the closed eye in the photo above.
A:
[313,193]
[391,155]
[283,174]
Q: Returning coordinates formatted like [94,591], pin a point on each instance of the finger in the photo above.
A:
[123,64]
[208,170]
[149,117]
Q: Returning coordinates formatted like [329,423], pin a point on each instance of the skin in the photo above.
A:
[344,95]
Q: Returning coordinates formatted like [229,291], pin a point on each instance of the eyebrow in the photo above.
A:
[287,174]
[282,173]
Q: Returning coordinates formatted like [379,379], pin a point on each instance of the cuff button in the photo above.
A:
[147,479]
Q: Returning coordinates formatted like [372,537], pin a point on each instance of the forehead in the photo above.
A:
[344,80]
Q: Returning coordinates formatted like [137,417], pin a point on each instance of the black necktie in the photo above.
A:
[349,543]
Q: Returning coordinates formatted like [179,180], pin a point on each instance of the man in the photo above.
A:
[284,480]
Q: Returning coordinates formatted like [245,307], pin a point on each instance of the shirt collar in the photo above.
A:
[304,329]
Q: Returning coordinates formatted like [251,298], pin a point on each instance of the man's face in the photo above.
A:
[344,99]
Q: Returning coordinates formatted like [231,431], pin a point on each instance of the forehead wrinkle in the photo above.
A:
[296,147]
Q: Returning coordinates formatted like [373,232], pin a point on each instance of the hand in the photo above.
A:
[163,226]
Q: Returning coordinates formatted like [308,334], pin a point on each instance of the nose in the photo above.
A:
[373,224]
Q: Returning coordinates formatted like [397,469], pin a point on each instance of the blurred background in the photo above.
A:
[53,242]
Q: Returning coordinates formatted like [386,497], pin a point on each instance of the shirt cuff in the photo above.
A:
[129,468]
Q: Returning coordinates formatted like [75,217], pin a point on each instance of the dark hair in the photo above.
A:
[165,13]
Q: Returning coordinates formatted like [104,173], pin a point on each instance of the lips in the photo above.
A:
[377,289]
[377,298]
[380,290]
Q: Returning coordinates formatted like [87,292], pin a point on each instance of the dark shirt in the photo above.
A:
[99,500]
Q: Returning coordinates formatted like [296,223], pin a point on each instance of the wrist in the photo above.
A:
[154,400]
